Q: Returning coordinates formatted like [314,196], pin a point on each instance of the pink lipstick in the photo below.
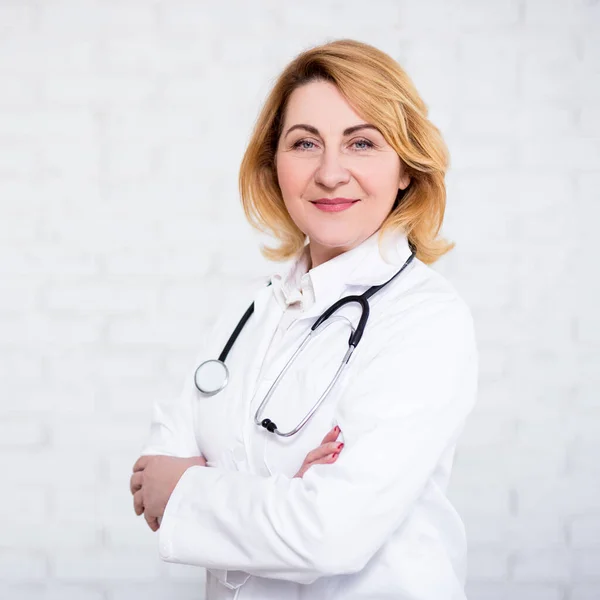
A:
[334,204]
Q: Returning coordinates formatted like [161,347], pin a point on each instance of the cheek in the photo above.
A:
[293,180]
[291,177]
[380,179]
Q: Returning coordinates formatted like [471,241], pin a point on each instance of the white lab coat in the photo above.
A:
[377,522]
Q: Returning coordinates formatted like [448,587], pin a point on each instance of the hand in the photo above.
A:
[153,481]
[326,453]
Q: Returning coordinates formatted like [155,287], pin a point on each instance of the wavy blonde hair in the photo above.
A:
[380,91]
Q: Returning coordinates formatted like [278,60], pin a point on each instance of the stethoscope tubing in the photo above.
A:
[324,320]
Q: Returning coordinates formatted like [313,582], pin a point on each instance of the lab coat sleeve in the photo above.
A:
[398,415]
[172,426]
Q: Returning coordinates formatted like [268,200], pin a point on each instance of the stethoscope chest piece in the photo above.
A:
[211,377]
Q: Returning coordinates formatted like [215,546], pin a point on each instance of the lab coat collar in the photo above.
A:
[364,265]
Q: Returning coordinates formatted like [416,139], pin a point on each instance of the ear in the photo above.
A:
[404,178]
[404,181]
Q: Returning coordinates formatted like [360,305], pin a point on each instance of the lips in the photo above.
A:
[334,204]
[335,200]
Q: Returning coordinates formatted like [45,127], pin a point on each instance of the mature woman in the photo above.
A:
[349,503]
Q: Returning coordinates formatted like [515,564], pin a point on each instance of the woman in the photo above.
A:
[353,505]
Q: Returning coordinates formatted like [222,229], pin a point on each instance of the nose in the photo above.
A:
[331,172]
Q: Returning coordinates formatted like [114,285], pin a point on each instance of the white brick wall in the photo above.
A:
[122,124]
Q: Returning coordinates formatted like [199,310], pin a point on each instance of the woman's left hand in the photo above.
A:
[153,481]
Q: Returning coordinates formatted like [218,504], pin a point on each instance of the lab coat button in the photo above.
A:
[239,453]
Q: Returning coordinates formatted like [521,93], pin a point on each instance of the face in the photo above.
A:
[337,174]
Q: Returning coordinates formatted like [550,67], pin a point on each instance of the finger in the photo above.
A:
[331,435]
[152,522]
[326,459]
[323,450]
[135,482]
[138,504]
[140,463]
[330,458]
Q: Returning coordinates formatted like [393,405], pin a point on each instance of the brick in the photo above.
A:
[17,434]
[72,434]
[65,19]
[127,531]
[47,467]
[182,590]
[585,591]
[16,17]
[477,495]
[19,92]
[564,13]
[103,567]
[489,155]
[49,591]
[22,566]
[543,566]
[513,591]
[585,532]
[38,396]
[119,295]
[587,566]
[590,121]
[135,55]
[52,537]
[19,163]
[566,496]
[568,152]
[487,565]
[524,122]
[25,504]
[41,327]
[485,430]
[583,457]
[19,294]
[46,125]
[101,91]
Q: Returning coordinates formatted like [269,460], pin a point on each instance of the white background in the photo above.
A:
[122,125]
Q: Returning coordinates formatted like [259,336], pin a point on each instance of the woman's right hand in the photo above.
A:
[326,453]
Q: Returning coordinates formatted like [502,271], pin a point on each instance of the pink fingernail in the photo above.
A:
[335,455]
[340,446]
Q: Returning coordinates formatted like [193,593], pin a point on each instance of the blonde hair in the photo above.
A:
[382,93]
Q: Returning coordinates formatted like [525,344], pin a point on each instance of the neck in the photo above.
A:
[321,254]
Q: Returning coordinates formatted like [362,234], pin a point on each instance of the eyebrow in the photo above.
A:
[315,131]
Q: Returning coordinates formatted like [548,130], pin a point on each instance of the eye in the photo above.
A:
[302,144]
[366,144]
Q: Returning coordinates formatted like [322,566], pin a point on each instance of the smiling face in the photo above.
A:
[337,174]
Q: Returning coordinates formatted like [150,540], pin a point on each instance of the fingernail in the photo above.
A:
[340,446]
[335,455]
[337,429]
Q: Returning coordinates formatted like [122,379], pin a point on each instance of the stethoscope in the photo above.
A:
[213,375]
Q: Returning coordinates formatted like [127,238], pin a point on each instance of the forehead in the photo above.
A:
[320,104]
